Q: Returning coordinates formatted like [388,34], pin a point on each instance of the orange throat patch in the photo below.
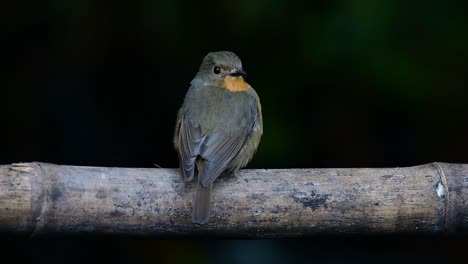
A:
[235,84]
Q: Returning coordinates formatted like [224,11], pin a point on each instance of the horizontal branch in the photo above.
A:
[45,199]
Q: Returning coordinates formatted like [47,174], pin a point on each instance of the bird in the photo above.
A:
[218,127]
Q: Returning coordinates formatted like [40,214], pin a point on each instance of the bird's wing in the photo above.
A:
[188,140]
[217,150]
[253,138]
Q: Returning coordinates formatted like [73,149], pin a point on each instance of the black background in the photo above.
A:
[342,84]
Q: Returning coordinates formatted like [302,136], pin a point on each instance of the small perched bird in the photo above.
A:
[218,127]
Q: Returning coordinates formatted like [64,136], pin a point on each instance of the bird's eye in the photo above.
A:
[216,70]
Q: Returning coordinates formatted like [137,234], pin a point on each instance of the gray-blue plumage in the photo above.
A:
[217,130]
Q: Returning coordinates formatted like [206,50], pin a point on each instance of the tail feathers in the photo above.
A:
[202,204]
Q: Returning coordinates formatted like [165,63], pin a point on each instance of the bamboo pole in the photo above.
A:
[46,199]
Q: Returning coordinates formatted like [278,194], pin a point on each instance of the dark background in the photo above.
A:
[342,84]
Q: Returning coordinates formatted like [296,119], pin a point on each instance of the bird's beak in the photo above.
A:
[239,73]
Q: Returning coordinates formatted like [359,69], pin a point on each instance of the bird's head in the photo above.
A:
[223,69]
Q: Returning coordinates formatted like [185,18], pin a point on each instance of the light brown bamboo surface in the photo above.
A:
[46,199]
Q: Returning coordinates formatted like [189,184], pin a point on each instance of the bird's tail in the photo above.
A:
[202,204]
